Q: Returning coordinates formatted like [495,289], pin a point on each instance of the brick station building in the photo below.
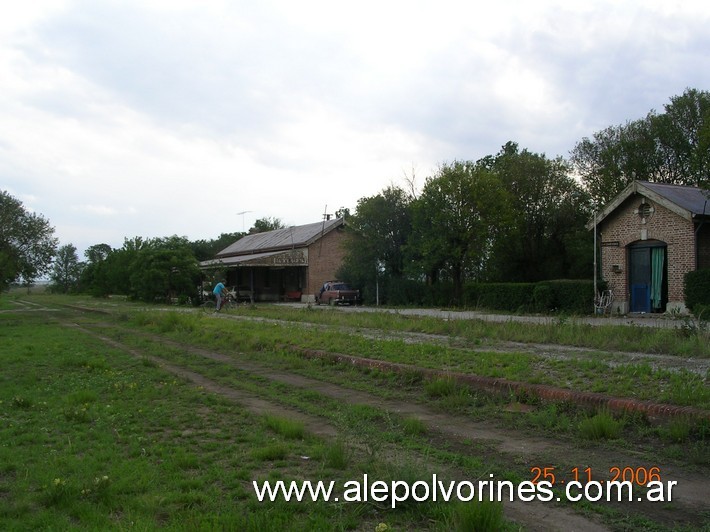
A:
[648,238]
[285,264]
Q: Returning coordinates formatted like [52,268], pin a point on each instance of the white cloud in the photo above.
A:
[126,119]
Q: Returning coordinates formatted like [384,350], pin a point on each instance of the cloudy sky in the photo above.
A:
[153,118]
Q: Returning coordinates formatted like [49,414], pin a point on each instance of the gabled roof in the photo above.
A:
[687,202]
[281,239]
[244,260]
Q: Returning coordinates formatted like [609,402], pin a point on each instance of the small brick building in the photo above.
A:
[648,238]
[291,263]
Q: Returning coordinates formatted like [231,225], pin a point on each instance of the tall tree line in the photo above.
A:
[669,147]
[519,216]
[146,269]
[514,216]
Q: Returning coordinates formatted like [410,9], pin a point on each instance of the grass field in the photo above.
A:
[132,418]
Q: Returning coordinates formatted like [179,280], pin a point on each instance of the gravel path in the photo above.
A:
[640,320]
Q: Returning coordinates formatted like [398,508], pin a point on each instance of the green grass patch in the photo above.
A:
[95,438]
[271,452]
[112,440]
[288,428]
[441,387]
[476,515]
[600,426]
[599,374]
[564,332]
[336,455]
[677,430]
[414,426]
[552,418]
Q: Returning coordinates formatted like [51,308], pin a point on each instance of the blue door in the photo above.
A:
[640,298]
[640,278]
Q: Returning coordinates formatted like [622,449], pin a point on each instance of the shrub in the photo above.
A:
[543,298]
[441,294]
[697,290]
[573,296]
[512,297]
[570,296]
[397,291]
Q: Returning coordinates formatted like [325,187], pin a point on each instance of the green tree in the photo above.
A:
[342,212]
[27,244]
[671,147]
[66,269]
[549,211]
[683,133]
[119,264]
[458,218]
[617,155]
[149,270]
[109,272]
[207,249]
[262,225]
[378,234]
[97,253]
[94,275]
[164,268]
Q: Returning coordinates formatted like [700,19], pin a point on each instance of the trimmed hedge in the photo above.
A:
[511,297]
[568,296]
[697,290]
[576,297]
[547,296]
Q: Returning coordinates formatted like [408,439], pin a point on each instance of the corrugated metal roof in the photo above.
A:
[692,199]
[688,202]
[287,238]
[232,260]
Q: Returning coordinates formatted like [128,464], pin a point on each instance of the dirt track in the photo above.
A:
[690,495]
[639,320]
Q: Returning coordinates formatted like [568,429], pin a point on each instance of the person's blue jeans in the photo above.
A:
[219,301]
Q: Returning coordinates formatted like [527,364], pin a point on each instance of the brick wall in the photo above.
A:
[704,246]
[324,258]
[626,227]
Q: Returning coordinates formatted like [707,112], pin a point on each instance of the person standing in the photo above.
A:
[219,292]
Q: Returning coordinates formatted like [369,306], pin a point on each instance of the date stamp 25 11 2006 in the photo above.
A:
[578,483]
[640,475]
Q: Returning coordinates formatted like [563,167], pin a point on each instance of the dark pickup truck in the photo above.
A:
[338,293]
